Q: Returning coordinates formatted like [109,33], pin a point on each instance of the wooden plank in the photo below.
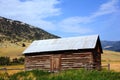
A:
[37,62]
[75,60]
[55,62]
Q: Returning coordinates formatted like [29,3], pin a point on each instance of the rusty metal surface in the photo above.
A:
[73,43]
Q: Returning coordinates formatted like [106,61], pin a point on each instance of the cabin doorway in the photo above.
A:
[55,63]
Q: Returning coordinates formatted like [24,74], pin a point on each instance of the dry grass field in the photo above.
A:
[12,50]
[12,67]
[115,66]
[110,56]
[113,58]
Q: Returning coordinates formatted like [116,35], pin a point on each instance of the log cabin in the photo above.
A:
[64,53]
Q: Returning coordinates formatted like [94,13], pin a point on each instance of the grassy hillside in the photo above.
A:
[13,50]
[110,56]
[111,45]
[64,75]
[15,31]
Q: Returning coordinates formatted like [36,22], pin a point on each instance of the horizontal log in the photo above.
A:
[76,58]
[11,68]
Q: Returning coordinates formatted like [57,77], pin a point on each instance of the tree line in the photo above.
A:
[8,61]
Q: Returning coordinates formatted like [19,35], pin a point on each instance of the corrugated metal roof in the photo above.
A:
[72,43]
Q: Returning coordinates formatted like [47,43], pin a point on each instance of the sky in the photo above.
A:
[67,18]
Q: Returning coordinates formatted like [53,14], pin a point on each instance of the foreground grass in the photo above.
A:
[64,75]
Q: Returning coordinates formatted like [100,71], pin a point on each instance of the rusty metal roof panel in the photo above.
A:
[72,43]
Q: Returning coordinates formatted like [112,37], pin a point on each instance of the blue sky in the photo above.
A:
[67,18]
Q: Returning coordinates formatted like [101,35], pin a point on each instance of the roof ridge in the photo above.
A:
[71,37]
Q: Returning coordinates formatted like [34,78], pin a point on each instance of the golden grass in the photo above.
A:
[115,66]
[113,58]
[12,50]
[110,56]
[12,67]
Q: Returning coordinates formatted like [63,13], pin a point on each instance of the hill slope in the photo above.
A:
[16,31]
[110,56]
[111,45]
[11,30]
[13,34]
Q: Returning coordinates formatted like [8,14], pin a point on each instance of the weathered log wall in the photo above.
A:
[97,60]
[37,62]
[75,60]
[60,61]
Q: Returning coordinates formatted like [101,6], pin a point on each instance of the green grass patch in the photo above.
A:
[65,75]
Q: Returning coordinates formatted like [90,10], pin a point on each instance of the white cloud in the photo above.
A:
[74,24]
[47,25]
[30,11]
[106,8]
[29,8]
[36,11]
